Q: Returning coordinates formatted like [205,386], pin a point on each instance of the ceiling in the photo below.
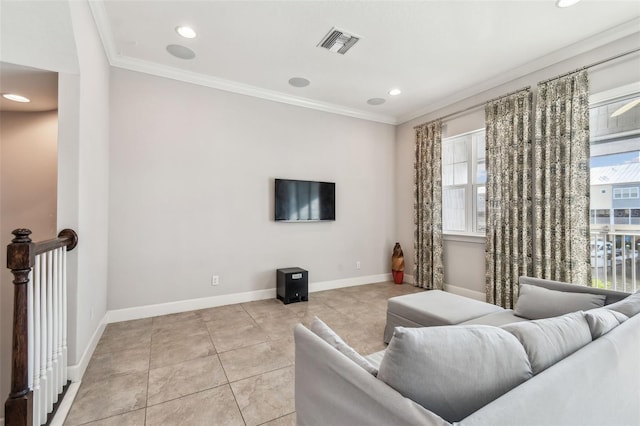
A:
[431,50]
[38,85]
[436,52]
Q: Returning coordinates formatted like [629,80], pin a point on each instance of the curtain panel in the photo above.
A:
[508,196]
[561,169]
[427,208]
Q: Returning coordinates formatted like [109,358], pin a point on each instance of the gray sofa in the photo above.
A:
[596,384]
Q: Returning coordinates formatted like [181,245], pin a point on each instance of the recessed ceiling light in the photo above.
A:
[15,98]
[626,107]
[181,51]
[299,82]
[186,32]
[566,3]
[395,92]
[376,101]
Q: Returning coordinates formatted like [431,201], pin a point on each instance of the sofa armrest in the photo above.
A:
[332,390]
[611,296]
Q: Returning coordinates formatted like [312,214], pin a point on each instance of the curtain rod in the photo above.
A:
[612,58]
[528,88]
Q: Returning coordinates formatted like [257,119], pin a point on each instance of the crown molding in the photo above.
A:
[117,60]
[583,46]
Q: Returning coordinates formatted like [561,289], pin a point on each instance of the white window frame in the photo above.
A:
[629,193]
[471,188]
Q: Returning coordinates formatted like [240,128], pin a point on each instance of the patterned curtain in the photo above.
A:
[508,196]
[427,208]
[561,169]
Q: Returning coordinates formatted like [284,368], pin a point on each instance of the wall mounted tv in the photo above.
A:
[304,201]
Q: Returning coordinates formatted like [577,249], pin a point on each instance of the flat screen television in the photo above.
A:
[304,201]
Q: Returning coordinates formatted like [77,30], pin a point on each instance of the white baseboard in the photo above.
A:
[1,421]
[65,405]
[461,291]
[75,372]
[408,279]
[348,282]
[147,311]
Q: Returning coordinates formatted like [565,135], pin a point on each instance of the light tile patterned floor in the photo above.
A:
[230,365]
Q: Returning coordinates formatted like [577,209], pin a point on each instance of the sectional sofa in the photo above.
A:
[581,367]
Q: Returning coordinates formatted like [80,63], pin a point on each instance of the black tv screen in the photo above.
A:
[304,201]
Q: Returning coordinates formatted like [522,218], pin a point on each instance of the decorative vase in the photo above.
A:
[397,264]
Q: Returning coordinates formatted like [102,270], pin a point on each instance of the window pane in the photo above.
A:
[481,216]
[447,152]
[481,172]
[460,173]
[479,142]
[447,175]
[460,150]
[453,209]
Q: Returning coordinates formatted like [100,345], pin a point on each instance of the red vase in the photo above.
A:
[397,264]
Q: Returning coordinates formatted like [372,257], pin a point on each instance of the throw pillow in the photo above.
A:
[628,306]
[601,321]
[538,302]
[454,370]
[323,331]
[547,341]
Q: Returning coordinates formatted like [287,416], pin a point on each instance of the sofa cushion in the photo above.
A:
[323,331]
[601,321]
[496,319]
[454,370]
[537,302]
[629,306]
[547,341]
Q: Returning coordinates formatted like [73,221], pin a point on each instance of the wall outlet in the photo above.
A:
[215,280]
[91,313]
[357,264]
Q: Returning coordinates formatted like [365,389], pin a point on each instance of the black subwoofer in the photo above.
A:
[292,285]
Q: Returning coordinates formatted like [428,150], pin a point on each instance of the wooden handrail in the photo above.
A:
[21,255]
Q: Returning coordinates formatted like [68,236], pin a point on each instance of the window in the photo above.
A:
[463,183]
[615,164]
[625,193]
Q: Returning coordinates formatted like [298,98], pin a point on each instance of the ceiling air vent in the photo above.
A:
[338,41]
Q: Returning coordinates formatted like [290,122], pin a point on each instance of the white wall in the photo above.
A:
[191,192]
[464,261]
[28,166]
[83,180]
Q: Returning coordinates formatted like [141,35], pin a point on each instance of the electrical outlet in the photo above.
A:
[91,313]
[215,280]
[357,264]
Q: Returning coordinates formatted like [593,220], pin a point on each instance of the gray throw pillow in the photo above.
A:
[628,306]
[323,331]
[454,370]
[601,321]
[547,341]
[538,302]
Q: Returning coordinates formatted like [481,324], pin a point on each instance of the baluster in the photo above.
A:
[36,339]
[50,383]
[54,315]
[59,322]
[44,386]
[64,315]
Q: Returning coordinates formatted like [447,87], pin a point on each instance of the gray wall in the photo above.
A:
[191,192]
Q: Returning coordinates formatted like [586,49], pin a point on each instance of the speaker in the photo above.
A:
[292,285]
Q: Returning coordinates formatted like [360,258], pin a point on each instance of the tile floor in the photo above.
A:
[229,365]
